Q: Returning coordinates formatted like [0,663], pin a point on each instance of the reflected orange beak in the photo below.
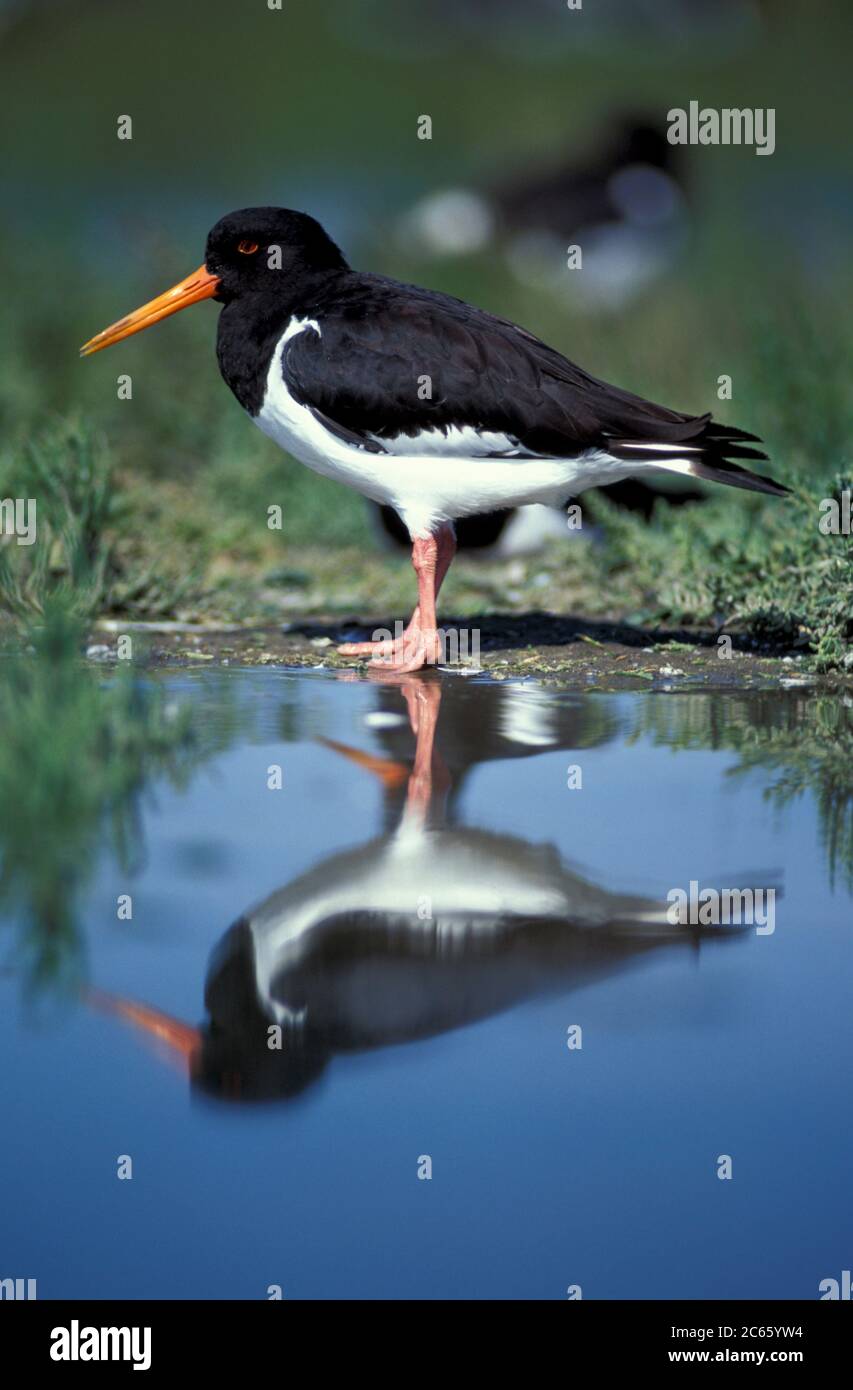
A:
[200,285]
[390,773]
[180,1042]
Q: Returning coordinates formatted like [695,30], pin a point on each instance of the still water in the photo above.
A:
[454,880]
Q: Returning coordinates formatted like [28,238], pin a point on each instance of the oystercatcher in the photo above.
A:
[419,400]
[341,959]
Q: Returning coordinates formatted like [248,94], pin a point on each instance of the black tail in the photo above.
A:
[718,469]
[704,453]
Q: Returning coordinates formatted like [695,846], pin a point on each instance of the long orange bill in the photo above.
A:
[200,285]
[178,1041]
[390,773]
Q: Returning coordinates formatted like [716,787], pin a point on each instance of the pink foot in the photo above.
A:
[420,647]
[390,647]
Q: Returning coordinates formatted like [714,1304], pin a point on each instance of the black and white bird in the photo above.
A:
[419,400]
[344,958]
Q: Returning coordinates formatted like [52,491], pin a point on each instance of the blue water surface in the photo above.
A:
[409,1036]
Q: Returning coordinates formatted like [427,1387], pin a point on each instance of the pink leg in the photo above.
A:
[429,780]
[387,653]
[421,644]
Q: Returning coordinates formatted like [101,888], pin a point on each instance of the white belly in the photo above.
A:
[436,478]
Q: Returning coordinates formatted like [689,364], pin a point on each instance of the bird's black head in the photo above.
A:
[265,249]
[269,250]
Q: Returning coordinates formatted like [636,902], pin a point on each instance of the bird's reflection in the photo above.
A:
[427,927]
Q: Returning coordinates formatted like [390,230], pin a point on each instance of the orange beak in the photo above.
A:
[180,1042]
[200,285]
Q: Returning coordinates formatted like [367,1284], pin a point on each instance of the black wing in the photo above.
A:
[394,359]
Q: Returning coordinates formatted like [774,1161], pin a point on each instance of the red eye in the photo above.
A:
[247,248]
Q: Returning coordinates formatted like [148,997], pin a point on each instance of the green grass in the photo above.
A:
[156,507]
[73,760]
[793,746]
[77,754]
[65,470]
[756,570]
